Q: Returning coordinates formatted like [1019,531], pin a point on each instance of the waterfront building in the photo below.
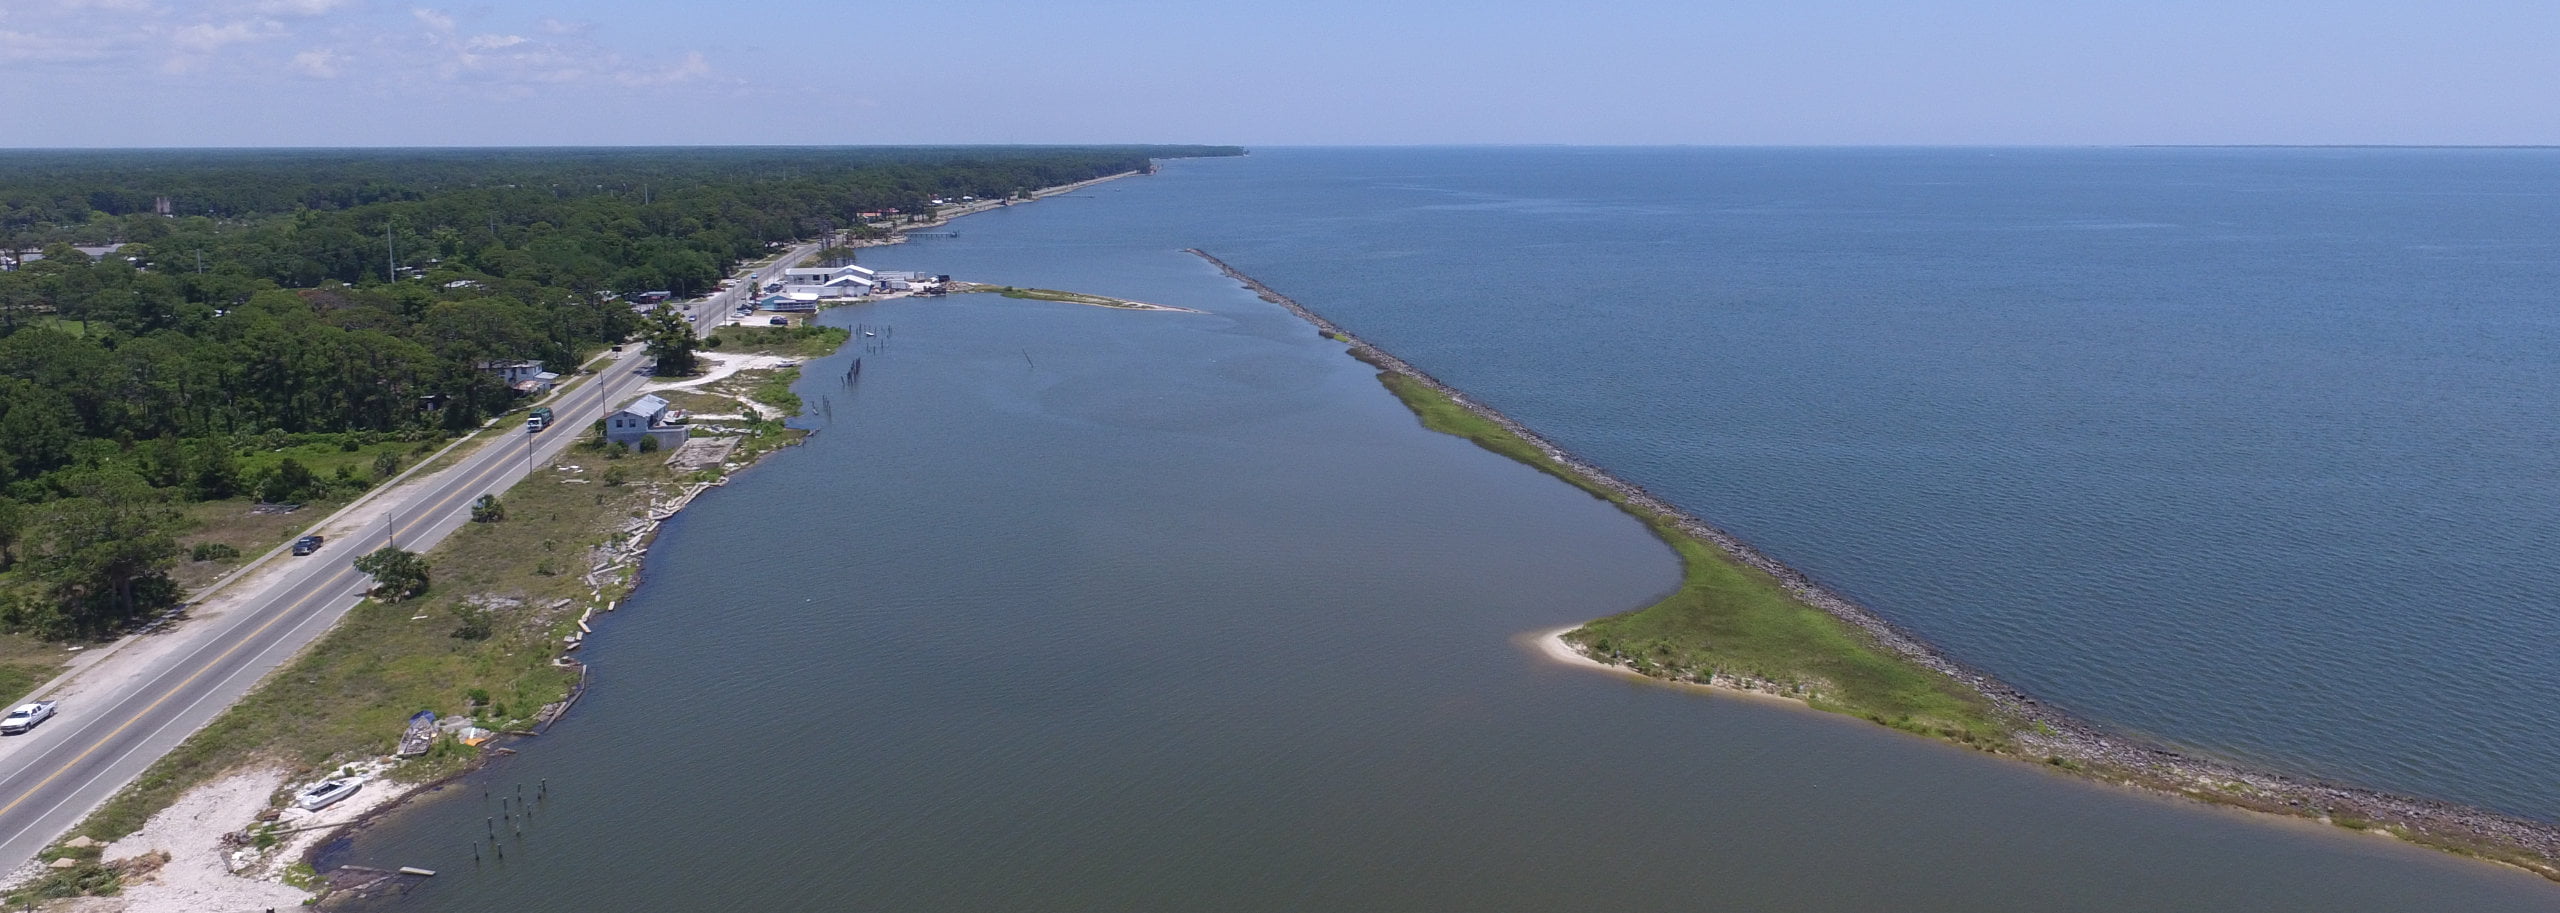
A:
[646,418]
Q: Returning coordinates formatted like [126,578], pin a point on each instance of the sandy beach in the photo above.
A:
[181,864]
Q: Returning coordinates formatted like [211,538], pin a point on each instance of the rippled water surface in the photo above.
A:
[2252,450]
[1071,608]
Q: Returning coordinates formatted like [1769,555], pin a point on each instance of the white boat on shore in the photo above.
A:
[326,793]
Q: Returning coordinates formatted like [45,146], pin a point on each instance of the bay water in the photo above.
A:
[1073,608]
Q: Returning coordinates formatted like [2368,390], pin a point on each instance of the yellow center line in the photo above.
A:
[155,704]
[492,466]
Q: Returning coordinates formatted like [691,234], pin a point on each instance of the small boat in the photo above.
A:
[869,333]
[420,736]
[327,792]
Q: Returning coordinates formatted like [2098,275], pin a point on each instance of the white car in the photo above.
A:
[26,717]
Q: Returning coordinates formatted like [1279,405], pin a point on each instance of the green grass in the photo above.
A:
[348,696]
[792,341]
[774,389]
[60,324]
[323,458]
[1733,619]
[26,662]
[698,404]
[1050,294]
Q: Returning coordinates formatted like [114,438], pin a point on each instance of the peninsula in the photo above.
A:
[1743,621]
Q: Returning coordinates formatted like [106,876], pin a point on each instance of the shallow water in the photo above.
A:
[1072,608]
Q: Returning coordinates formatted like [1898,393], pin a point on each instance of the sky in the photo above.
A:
[110,73]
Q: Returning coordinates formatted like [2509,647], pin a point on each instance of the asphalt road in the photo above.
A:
[54,776]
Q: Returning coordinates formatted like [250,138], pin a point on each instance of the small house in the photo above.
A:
[512,373]
[646,418]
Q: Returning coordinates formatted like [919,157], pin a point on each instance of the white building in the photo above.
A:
[846,281]
[645,418]
[524,377]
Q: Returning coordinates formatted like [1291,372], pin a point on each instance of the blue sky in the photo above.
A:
[545,72]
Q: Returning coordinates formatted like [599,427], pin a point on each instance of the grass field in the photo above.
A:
[1731,619]
[795,341]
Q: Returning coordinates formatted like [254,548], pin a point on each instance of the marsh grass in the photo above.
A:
[1730,619]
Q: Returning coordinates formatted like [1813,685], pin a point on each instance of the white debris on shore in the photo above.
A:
[203,871]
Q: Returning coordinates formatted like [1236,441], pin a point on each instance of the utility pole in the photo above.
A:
[390,256]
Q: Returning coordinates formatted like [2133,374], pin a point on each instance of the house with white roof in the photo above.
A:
[524,377]
[847,281]
[644,419]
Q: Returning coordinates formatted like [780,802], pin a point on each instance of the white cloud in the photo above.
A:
[296,7]
[119,6]
[436,20]
[204,37]
[28,47]
[691,68]
[425,53]
[318,64]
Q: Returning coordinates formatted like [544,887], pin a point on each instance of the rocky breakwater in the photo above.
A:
[2039,731]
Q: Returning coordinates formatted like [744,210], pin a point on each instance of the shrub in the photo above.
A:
[289,481]
[475,625]
[212,551]
[397,574]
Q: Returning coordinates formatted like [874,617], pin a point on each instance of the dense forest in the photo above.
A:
[255,299]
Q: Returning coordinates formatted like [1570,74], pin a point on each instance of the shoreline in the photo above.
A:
[2060,740]
[631,559]
[1551,645]
[624,567]
[897,234]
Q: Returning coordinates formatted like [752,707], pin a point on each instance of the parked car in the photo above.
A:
[780,321]
[307,544]
[26,717]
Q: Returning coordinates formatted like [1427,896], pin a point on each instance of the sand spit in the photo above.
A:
[2044,733]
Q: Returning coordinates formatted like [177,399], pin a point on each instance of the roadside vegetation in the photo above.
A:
[474,635]
[1734,622]
[477,622]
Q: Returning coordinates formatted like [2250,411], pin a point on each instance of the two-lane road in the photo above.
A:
[54,776]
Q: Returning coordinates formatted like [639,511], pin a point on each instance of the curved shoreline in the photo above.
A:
[2042,732]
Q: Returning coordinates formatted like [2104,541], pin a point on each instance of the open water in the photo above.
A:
[1072,608]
